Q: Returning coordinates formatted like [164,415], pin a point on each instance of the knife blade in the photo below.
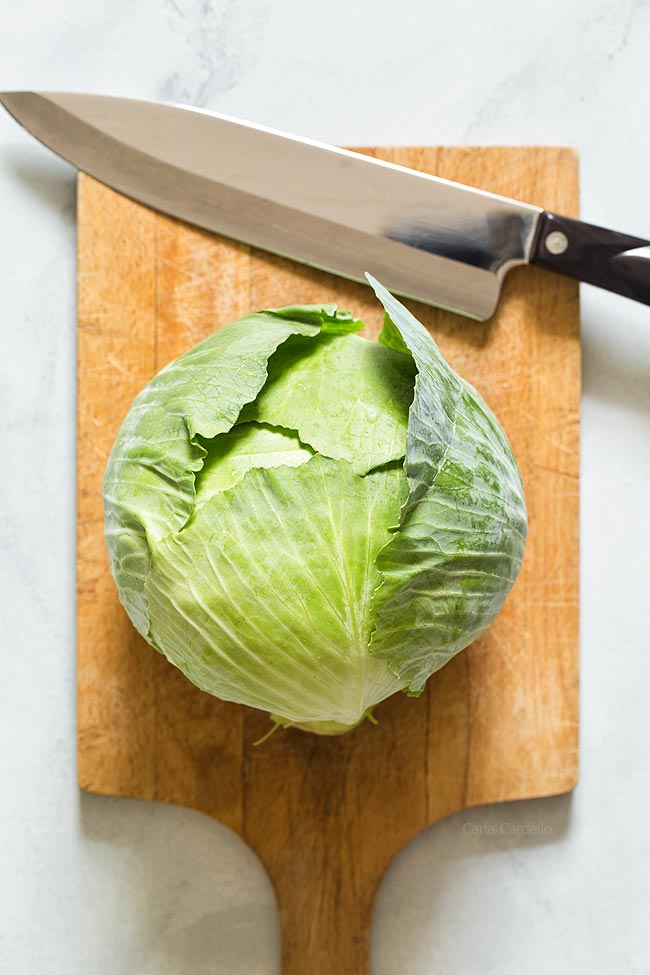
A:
[427,238]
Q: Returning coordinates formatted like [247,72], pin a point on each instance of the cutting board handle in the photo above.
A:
[319,941]
[326,816]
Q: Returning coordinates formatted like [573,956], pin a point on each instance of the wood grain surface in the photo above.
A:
[500,722]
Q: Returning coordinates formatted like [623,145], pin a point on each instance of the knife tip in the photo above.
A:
[23,106]
[11,99]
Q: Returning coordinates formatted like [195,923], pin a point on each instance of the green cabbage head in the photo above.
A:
[306,521]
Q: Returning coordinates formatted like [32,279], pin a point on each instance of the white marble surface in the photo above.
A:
[89,885]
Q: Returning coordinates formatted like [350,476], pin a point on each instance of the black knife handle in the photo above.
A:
[616,262]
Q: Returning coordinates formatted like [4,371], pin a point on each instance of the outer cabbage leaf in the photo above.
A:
[348,398]
[265,595]
[149,484]
[230,455]
[448,569]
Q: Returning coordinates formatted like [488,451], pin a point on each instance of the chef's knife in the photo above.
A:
[444,243]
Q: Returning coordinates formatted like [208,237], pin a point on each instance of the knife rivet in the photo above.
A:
[556,242]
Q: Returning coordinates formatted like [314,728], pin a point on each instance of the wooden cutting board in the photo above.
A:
[500,722]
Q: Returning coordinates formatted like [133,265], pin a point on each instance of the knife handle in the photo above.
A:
[616,262]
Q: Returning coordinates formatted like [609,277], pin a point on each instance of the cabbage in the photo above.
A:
[306,521]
